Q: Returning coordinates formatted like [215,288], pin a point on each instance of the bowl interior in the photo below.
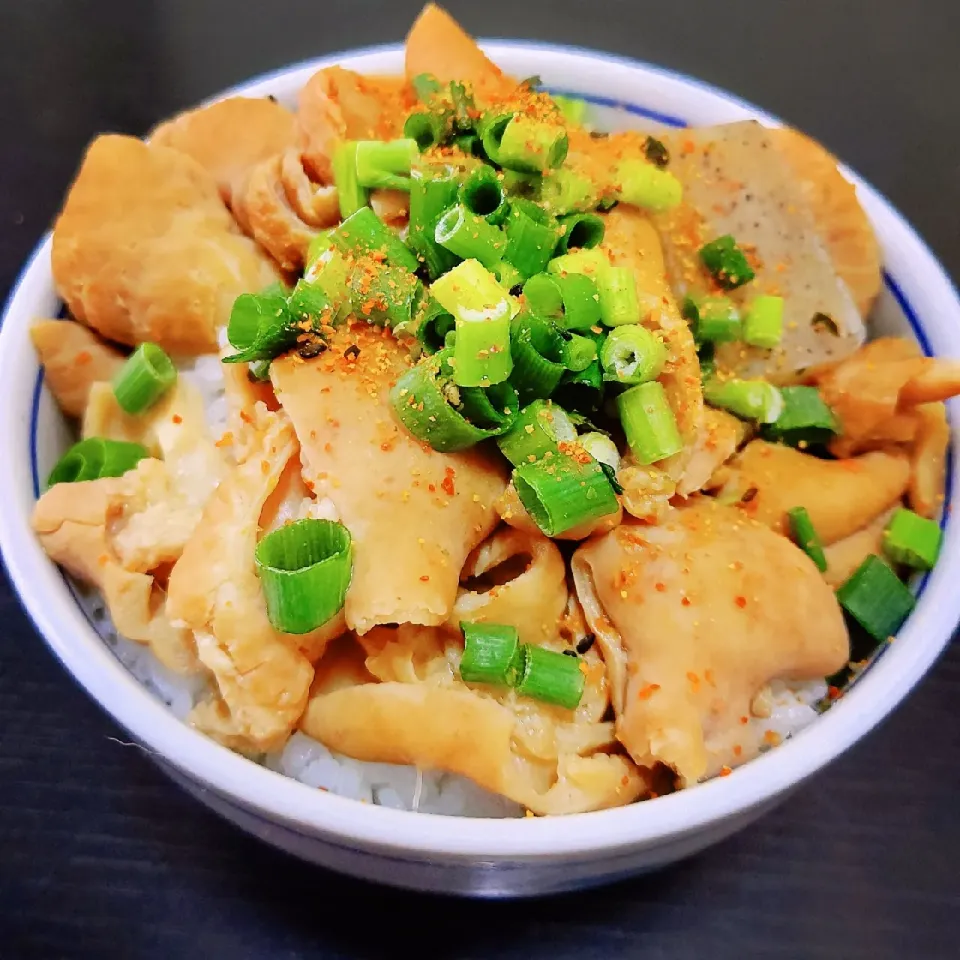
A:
[917,300]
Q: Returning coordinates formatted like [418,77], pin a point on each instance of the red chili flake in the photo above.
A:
[432,487]
[685,601]
[648,691]
[660,587]
[83,357]
[177,418]
[737,749]
[424,578]
[834,693]
[725,771]
[744,719]
[741,602]
[447,485]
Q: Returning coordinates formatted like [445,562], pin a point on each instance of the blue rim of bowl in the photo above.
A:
[647,113]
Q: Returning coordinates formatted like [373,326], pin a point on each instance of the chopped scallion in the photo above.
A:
[573,109]
[714,319]
[539,428]
[144,378]
[601,448]
[560,492]
[550,677]
[537,349]
[483,194]
[491,654]
[805,418]
[260,328]
[649,423]
[470,236]
[748,399]
[94,458]
[632,354]
[726,262]
[912,540]
[647,186]
[806,537]
[385,164]
[876,598]
[425,129]
[579,231]
[531,237]
[763,324]
[350,194]
[531,146]
[617,290]
[305,569]
[432,192]
[364,233]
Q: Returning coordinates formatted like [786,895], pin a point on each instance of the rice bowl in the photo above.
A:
[597,845]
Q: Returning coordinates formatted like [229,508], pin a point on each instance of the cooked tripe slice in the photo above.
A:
[414,514]
[549,759]
[73,359]
[737,183]
[514,578]
[262,676]
[144,248]
[119,534]
[632,242]
[694,617]
[337,104]
[228,137]
[841,496]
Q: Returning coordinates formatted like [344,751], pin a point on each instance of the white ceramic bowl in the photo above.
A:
[487,858]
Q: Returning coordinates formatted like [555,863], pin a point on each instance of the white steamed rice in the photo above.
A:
[792,705]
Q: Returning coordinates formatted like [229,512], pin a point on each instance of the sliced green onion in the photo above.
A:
[601,448]
[649,423]
[617,290]
[706,354]
[581,391]
[493,408]
[364,233]
[469,143]
[470,236]
[461,100]
[559,492]
[490,130]
[483,311]
[531,237]
[578,352]
[331,273]
[714,319]
[318,246]
[912,540]
[426,86]
[94,458]
[537,349]
[573,109]
[433,325]
[305,569]
[550,677]
[748,399]
[581,301]
[425,400]
[805,419]
[763,324]
[425,129]
[726,263]
[632,354]
[385,164]
[351,196]
[806,537]
[309,301]
[876,598]
[539,428]
[508,276]
[565,191]
[491,654]
[524,185]
[260,328]
[579,231]
[385,295]
[531,146]
[482,193]
[647,186]
[541,294]
[147,374]
[432,192]
[591,262]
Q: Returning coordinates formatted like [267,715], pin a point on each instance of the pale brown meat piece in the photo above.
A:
[262,676]
[144,248]
[844,556]
[73,359]
[632,241]
[841,496]
[550,759]
[229,137]
[694,617]
[414,514]
[87,527]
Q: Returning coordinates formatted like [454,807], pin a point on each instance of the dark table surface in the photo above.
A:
[101,856]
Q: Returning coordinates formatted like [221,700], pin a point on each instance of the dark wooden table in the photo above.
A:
[100,856]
